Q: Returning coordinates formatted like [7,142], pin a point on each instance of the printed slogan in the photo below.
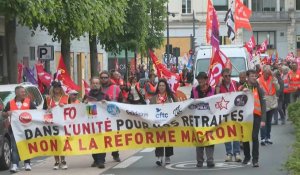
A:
[109,126]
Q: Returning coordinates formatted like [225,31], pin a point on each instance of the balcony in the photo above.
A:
[270,17]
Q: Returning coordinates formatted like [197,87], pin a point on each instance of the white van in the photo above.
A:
[236,53]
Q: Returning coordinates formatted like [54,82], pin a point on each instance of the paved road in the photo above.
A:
[136,162]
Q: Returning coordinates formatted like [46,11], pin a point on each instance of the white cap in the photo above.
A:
[72,92]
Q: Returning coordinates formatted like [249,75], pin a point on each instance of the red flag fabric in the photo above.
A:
[250,45]
[63,76]
[116,64]
[241,16]
[215,42]
[43,77]
[209,16]
[216,66]
[163,72]
[86,87]
[290,57]
[20,72]
[263,47]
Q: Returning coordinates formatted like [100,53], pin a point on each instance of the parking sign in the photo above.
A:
[46,52]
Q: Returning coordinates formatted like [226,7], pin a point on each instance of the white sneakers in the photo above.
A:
[14,168]
[27,167]
[228,158]
[63,165]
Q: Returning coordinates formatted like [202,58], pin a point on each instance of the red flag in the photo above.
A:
[250,45]
[215,68]
[263,47]
[209,14]
[241,16]
[215,42]
[116,64]
[20,72]
[163,72]
[43,77]
[132,66]
[86,87]
[63,76]
[290,57]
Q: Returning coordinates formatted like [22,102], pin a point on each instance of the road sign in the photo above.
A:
[46,52]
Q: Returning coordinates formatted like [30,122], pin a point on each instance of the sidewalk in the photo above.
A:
[77,165]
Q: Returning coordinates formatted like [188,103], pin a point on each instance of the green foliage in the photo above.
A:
[133,32]
[157,15]
[293,162]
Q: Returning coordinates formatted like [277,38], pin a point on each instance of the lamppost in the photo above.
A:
[168,37]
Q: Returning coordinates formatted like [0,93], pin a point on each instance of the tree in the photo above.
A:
[134,31]
[115,17]
[25,11]
[157,25]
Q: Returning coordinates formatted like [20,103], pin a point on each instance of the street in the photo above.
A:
[272,157]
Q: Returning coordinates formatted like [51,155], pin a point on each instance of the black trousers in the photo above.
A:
[100,157]
[161,151]
[255,142]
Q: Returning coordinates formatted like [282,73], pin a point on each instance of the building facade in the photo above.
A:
[277,20]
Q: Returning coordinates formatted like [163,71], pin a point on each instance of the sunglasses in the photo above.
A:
[103,78]
[227,76]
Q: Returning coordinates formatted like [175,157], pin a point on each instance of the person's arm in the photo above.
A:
[192,93]
[32,105]
[6,112]
[262,104]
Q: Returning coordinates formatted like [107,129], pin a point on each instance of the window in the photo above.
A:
[238,63]
[221,5]
[297,4]
[260,37]
[264,6]
[186,6]
[298,41]
[32,53]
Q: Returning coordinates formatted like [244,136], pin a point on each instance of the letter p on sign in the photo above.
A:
[46,52]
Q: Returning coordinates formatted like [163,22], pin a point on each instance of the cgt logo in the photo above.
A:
[200,106]
[48,118]
[113,109]
[25,118]
[160,114]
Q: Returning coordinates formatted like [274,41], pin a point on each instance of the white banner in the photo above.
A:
[109,126]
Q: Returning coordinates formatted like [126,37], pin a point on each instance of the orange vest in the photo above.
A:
[25,105]
[286,81]
[268,86]
[257,106]
[152,89]
[112,91]
[75,102]
[63,100]
[294,79]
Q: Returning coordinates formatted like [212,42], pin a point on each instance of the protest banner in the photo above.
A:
[109,126]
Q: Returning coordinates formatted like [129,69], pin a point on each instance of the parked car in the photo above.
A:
[6,94]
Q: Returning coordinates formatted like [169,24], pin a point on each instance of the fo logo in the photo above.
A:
[25,118]
[113,109]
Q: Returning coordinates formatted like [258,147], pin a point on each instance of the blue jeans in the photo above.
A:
[236,148]
[15,158]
